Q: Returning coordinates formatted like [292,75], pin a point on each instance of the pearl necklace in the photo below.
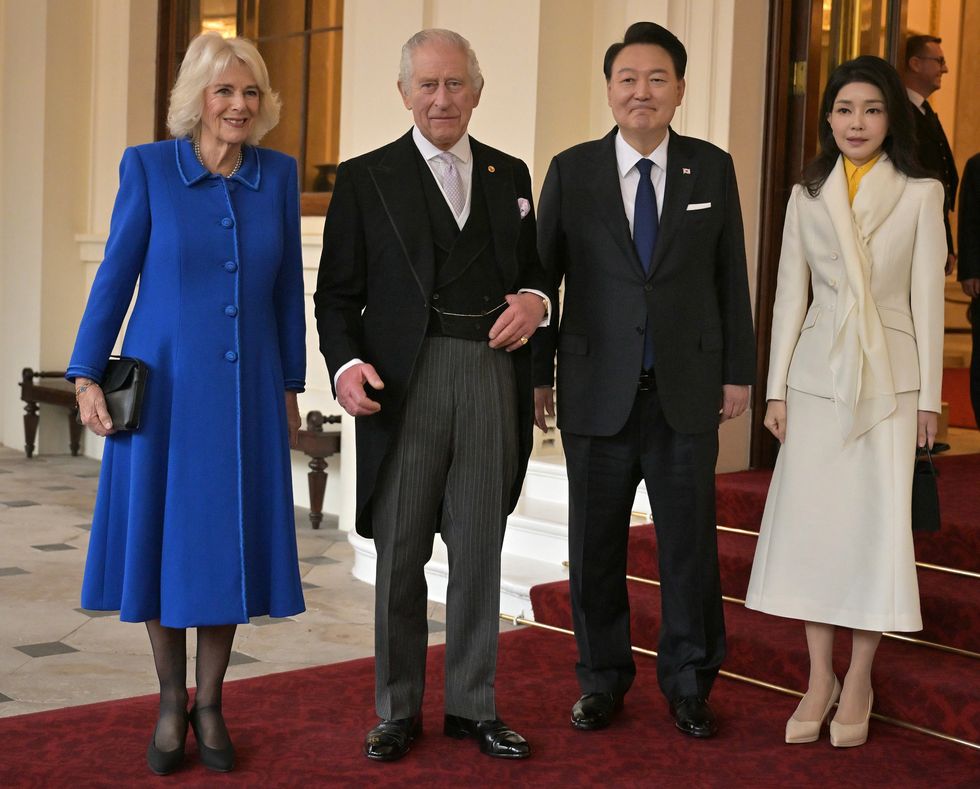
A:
[197,153]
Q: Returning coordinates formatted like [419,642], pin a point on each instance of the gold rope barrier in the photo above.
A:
[519,620]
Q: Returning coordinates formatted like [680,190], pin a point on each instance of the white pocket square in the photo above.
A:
[698,206]
[524,206]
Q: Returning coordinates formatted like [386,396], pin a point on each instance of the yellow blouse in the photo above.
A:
[855,173]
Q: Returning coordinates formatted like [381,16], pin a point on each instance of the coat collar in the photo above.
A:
[398,180]
[608,197]
[682,174]
[495,178]
[193,172]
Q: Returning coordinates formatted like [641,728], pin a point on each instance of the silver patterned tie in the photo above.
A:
[452,183]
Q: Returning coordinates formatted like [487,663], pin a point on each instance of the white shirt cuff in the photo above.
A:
[341,371]
[546,320]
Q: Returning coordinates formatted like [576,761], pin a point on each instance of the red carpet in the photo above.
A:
[956,392]
[305,728]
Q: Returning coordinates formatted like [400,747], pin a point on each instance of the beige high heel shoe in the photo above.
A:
[847,735]
[798,731]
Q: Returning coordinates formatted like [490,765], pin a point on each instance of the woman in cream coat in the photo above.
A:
[854,386]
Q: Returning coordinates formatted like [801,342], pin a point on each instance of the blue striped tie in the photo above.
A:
[646,223]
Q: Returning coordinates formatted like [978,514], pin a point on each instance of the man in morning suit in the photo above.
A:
[423,313]
[968,270]
[655,346]
[923,76]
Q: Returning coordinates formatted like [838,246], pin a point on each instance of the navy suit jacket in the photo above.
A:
[696,293]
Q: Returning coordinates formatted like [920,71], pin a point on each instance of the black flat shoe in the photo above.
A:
[165,762]
[595,710]
[495,737]
[221,760]
[693,716]
[392,739]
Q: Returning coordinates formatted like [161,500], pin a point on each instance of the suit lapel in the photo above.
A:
[682,173]
[495,178]
[608,196]
[397,179]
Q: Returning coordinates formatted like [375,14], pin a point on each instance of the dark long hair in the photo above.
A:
[900,143]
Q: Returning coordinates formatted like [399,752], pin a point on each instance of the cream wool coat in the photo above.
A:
[854,367]
[875,327]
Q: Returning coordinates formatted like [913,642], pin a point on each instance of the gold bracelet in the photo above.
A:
[82,389]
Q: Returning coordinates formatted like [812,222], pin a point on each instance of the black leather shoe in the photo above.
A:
[693,716]
[392,739]
[165,762]
[595,710]
[221,760]
[495,737]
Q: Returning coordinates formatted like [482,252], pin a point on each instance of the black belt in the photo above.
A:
[463,326]
[647,382]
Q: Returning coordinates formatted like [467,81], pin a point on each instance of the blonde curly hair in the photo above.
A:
[208,55]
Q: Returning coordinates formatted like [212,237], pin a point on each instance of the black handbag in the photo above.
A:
[123,384]
[925,494]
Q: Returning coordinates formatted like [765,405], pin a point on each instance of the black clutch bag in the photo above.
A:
[123,384]
[925,495]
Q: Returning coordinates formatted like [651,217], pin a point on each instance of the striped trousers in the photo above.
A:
[450,468]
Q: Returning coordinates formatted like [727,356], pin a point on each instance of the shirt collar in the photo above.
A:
[916,98]
[627,156]
[192,171]
[461,150]
[852,170]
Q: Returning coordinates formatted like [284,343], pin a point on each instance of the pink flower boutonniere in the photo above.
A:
[524,206]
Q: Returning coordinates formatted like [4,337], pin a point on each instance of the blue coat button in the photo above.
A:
[227,222]
[231,356]
[231,310]
[231,266]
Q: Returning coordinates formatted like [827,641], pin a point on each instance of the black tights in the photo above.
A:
[170,658]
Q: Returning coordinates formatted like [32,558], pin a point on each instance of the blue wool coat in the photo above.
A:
[193,520]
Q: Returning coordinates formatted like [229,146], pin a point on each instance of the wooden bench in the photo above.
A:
[50,388]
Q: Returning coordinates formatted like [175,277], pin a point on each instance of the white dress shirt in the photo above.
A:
[629,177]
[464,165]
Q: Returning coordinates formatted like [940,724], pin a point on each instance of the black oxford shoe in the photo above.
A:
[392,739]
[595,710]
[693,716]
[495,737]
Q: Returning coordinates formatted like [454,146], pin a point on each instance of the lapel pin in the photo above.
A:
[686,170]
[491,168]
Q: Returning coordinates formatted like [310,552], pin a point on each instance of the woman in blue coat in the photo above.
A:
[193,523]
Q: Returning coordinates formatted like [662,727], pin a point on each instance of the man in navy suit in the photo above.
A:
[655,347]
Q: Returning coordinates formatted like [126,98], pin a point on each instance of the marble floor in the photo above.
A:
[55,654]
